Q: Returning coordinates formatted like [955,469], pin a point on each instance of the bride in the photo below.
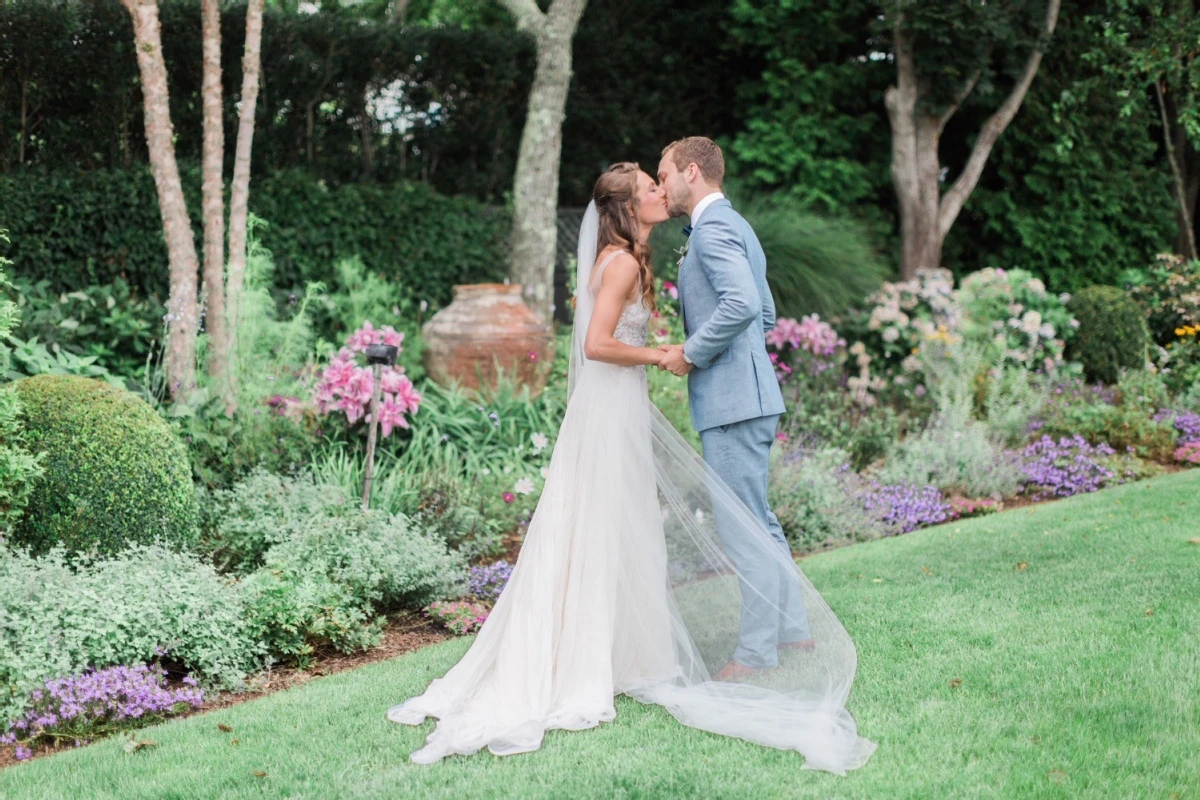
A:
[621,586]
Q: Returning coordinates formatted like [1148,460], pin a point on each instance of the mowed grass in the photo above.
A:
[1051,651]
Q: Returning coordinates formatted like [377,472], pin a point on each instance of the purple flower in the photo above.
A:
[94,700]
[906,506]
[1065,467]
[487,582]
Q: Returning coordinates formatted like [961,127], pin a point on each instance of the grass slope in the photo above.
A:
[1046,652]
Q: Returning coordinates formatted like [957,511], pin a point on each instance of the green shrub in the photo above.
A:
[18,467]
[293,525]
[318,570]
[1112,333]
[294,615]
[57,618]
[97,227]
[115,473]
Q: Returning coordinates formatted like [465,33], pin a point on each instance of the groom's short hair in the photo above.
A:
[703,152]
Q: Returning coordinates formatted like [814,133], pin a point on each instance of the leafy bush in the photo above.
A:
[294,615]
[1169,294]
[955,452]
[1123,416]
[1012,313]
[110,323]
[114,471]
[1112,333]
[107,228]
[145,603]
[19,468]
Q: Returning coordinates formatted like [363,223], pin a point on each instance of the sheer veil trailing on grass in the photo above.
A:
[623,587]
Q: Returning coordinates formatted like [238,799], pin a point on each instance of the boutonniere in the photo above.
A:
[682,251]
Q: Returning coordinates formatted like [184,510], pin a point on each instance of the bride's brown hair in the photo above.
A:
[615,197]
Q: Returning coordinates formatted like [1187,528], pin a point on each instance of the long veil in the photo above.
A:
[724,575]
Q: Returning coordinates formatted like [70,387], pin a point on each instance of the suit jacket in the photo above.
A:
[727,309]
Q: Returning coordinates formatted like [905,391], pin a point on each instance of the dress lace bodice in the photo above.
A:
[633,325]
[634,322]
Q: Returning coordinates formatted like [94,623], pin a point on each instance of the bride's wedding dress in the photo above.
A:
[621,587]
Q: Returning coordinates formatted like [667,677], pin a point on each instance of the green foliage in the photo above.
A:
[354,97]
[955,452]
[1125,418]
[1112,333]
[103,226]
[1169,293]
[814,126]
[318,569]
[59,618]
[812,500]
[815,264]
[358,295]
[296,615]
[109,326]
[1012,401]
[19,468]
[115,473]
[1015,319]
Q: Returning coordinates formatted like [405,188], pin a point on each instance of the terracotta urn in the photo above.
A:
[488,327]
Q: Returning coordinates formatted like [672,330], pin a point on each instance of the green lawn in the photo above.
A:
[1074,629]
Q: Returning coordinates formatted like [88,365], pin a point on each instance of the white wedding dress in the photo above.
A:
[621,587]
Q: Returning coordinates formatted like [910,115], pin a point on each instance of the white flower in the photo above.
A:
[1035,285]
[1065,297]
[487,471]
[539,442]
[524,486]
[891,334]
[507,469]
[910,364]
[1031,322]
[699,515]
[545,473]
[1074,323]
[1047,331]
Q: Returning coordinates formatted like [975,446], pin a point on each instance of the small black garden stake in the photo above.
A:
[378,355]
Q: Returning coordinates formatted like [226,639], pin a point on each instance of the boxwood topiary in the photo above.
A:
[1112,333]
[115,473]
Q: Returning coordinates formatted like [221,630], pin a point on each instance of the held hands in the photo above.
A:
[672,360]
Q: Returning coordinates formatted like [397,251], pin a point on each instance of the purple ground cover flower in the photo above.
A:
[1064,467]
[906,506]
[1186,424]
[96,702]
[487,582]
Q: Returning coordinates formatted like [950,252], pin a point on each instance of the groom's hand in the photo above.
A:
[673,360]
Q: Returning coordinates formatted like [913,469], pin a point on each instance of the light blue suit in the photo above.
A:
[735,405]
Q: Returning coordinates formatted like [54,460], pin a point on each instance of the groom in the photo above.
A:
[735,399]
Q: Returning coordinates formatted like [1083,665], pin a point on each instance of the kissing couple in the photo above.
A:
[647,570]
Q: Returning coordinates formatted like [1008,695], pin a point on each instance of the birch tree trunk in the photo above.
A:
[212,191]
[182,311]
[535,186]
[240,191]
[926,214]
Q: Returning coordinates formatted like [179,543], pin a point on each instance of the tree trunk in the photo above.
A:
[182,312]
[240,190]
[535,186]
[212,191]
[1185,238]
[926,214]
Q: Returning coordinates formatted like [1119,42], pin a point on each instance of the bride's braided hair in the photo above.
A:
[615,196]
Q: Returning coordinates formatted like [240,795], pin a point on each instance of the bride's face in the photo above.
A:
[651,206]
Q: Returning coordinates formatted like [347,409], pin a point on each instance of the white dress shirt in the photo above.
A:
[704,203]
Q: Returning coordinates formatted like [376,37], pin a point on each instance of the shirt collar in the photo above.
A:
[704,203]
